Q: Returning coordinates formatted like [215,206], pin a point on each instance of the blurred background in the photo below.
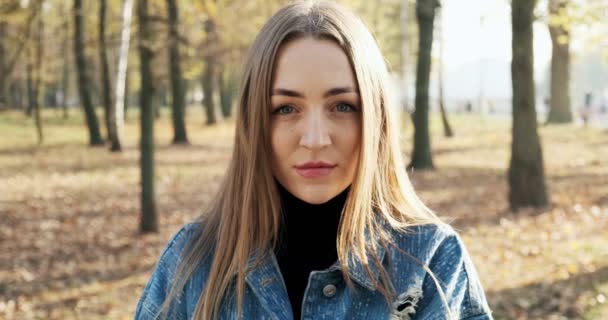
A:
[116,125]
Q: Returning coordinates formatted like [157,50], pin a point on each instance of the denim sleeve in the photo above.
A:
[457,276]
[158,286]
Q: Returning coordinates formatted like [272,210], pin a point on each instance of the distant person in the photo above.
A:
[469,107]
[585,111]
[316,217]
[588,99]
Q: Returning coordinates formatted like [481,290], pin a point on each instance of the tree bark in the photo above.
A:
[177,83]
[447,128]
[157,103]
[83,79]
[117,110]
[65,77]
[29,81]
[421,155]
[209,73]
[403,21]
[106,96]
[226,83]
[3,79]
[559,110]
[149,218]
[9,63]
[526,171]
[127,98]
[34,74]
[38,79]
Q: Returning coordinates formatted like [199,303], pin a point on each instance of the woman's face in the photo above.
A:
[315,117]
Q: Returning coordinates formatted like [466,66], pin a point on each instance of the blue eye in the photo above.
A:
[287,109]
[345,107]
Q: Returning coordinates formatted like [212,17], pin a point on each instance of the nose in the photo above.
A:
[316,131]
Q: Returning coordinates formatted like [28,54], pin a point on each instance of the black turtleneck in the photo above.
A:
[307,241]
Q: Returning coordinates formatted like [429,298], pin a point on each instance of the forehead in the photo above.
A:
[307,61]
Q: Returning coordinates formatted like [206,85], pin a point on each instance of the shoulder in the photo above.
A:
[182,237]
[443,262]
[424,245]
[423,241]
[160,282]
[174,248]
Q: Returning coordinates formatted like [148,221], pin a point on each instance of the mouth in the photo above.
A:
[315,169]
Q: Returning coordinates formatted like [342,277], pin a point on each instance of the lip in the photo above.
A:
[314,169]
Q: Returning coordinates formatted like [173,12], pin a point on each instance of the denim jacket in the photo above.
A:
[327,297]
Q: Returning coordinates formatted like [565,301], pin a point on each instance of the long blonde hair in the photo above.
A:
[245,215]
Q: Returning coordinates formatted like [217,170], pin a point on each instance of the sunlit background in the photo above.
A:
[72,244]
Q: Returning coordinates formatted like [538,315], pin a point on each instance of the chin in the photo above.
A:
[314,199]
[316,194]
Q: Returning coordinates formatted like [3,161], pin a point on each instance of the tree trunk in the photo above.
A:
[8,63]
[227,86]
[34,74]
[403,21]
[29,80]
[116,115]
[526,170]
[447,129]
[559,110]
[127,97]
[3,79]
[208,74]
[157,103]
[149,218]
[65,77]
[207,82]
[177,83]
[106,97]
[83,79]
[421,155]
[38,79]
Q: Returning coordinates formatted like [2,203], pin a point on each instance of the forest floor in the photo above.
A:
[69,214]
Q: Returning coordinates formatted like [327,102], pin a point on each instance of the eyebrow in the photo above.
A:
[328,93]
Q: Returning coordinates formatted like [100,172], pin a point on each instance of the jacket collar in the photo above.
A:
[268,285]
[268,274]
[356,269]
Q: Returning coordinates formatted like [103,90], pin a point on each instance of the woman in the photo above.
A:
[316,218]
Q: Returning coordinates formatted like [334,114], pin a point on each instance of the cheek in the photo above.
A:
[279,142]
[350,152]
[275,143]
[351,144]
[355,150]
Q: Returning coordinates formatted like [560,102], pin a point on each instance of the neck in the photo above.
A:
[310,228]
[307,240]
[289,201]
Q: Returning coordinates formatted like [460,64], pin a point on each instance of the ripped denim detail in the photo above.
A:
[405,304]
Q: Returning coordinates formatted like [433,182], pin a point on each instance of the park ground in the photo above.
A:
[69,214]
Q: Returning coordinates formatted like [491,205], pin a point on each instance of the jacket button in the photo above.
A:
[329,290]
